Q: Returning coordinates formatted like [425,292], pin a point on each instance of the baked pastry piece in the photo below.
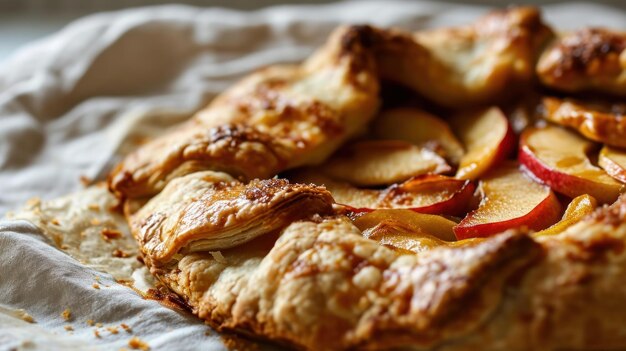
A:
[285,261]
[481,63]
[590,59]
[601,121]
[277,118]
[282,117]
[208,211]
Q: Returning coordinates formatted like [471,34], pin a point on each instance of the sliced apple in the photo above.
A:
[406,230]
[435,194]
[576,210]
[420,128]
[409,232]
[509,200]
[613,161]
[558,158]
[488,139]
[374,163]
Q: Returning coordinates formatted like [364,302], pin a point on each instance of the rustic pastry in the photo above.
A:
[277,118]
[384,265]
[600,121]
[590,59]
[254,130]
[324,287]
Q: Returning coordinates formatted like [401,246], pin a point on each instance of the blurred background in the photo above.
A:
[22,21]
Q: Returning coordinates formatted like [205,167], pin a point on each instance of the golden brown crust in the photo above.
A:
[323,286]
[256,129]
[600,121]
[591,59]
[481,63]
[277,118]
[208,211]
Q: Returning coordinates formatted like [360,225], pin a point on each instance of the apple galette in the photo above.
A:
[451,189]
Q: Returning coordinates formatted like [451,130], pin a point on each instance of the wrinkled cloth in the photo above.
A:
[72,103]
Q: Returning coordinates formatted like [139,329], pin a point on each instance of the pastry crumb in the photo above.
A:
[113,330]
[108,234]
[95,286]
[96,333]
[90,322]
[86,181]
[68,328]
[95,221]
[119,253]
[217,255]
[138,344]
[64,247]
[127,328]
[28,318]
[55,221]
[23,315]
[94,207]
[98,325]
[66,314]
[35,201]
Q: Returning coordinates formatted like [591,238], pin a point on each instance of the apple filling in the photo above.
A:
[418,181]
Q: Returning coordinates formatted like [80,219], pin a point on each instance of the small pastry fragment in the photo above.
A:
[477,64]
[210,211]
[604,122]
[587,60]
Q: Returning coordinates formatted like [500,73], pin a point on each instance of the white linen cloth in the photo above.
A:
[72,102]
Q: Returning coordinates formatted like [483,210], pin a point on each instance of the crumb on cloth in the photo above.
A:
[66,314]
[138,344]
[119,253]
[109,234]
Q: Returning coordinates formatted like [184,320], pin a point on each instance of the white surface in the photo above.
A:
[69,103]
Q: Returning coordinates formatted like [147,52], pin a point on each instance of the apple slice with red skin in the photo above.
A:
[420,128]
[382,162]
[613,161]
[407,231]
[510,199]
[434,194]
[558,158]
[577,209]
[488,139]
